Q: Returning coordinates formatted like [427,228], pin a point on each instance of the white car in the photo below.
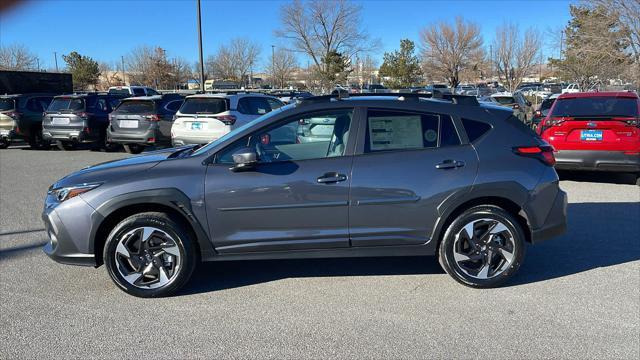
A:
[203,118]
[571,88]
[132,90]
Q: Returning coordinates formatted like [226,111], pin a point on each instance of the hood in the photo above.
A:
[115,170]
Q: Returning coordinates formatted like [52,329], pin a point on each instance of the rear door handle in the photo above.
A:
[331,178]
[450,164]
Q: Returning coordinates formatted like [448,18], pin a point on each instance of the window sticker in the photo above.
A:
[395,132]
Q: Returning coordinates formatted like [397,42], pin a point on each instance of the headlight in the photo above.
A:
[66,193]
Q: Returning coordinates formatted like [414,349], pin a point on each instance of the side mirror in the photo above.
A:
[244,159]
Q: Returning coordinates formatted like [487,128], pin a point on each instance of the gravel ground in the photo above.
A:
[577,296]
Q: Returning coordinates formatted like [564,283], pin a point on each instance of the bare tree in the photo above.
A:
[282,67]
[515,54]
[181,72]
[221,65]
[108,76]
[449,49]
[17,57]
[149,66]
[245,54]
[320,28]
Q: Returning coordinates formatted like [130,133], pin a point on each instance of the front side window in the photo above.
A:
[151,92]
[309,136]
[397,130]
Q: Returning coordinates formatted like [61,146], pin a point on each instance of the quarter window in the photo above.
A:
[396,130]
[310,136]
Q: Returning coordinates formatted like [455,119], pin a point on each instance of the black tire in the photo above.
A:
[179,233]
[105,145]
[445,250]
[133,148]
[638,179]
[4,144]
[65,145]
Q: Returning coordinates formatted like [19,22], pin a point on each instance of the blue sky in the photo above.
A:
[105,30]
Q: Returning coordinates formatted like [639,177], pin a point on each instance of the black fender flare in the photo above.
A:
[170,197]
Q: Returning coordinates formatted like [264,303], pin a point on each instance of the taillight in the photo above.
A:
[13,114]
[516,106]
[538,113]
[227,119]
[154,117]
[83,115]
[543,153]
[556,121]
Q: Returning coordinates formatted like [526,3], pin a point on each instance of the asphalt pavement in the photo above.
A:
[576,296]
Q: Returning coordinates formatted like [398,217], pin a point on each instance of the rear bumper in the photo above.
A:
[148,137]
[556,222]
[594,160]
[72,135]
[181,140]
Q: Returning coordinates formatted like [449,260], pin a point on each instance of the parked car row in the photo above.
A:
[134,117]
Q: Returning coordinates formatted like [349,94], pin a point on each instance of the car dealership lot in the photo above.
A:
[575,296]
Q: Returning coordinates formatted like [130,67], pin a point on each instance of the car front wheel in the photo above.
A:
[150,254]
[483,247]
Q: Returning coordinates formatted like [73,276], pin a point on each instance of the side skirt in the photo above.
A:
[427,249]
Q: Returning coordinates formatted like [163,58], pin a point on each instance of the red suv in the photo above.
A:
[595,131]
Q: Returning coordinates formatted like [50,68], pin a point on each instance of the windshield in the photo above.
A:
[503,100]
[232,133]
[546,105]
[61,104]
[600,106]
[7,104]
[135,107]
[204,106]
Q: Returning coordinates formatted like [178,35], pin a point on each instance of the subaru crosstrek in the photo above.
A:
[595,131]
[399,175]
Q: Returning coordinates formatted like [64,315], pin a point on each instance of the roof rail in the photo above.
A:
[455,99]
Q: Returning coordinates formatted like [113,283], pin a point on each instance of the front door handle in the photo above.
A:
[332,177]
[450,164]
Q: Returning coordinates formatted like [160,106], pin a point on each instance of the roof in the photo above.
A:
[627,94]
[225,95]
[5,96]
[152,97]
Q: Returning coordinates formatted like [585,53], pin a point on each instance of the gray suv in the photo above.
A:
[398,175]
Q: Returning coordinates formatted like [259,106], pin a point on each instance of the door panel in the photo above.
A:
[395,195]
[278,206]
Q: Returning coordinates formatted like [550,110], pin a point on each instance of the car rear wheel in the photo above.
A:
[65,145]
[150,255]
[638,179]
[483,247]
[4,143]
[133,148]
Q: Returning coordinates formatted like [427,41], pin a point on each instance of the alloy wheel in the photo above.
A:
[147,257]
[484,248]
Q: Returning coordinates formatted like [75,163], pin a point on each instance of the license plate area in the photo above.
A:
[60,121]
[591,135]
[128,124]
[196,126]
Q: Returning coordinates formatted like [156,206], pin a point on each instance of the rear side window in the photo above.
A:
[7,104]
[475,129]
[204,106]
[135,107]
[395,130]
[119,92]
[596,107]
[152,92]
[254,105]
[138,92]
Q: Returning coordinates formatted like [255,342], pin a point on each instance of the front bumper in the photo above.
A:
[594,160]
[556,221]
[69,245]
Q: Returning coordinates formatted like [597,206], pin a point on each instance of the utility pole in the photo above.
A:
[200,49]
[273,67]
[38,61]
[55,56]
[123,74]
[491,62]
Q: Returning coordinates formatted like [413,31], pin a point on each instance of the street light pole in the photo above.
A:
[200,49]
[273,67]
[55,56]
[123,74]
